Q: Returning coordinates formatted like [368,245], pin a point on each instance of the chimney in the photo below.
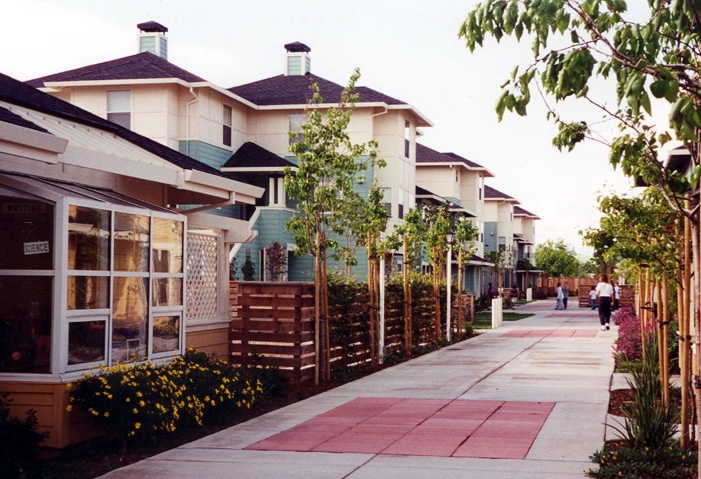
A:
[152,39]
[297,59]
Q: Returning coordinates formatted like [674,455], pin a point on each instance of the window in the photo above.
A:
[295,127]
[407,138]
[26,282]
[387,200]
[226,125]
[403,197]
[121,278]
[119,107]
[502,243]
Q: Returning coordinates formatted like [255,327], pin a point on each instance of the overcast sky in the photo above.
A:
[407,49]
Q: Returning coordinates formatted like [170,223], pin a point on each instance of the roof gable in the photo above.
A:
[494,194]
[251,155]
[427,156]
[296,90]
[140,66]
[21,94]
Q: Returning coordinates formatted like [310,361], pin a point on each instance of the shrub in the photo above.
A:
[628,346]
[134,400]
[19,440]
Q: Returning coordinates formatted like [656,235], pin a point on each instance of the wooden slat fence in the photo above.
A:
[272,325]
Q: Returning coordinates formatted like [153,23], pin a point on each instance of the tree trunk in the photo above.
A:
[684,330]
[371,302]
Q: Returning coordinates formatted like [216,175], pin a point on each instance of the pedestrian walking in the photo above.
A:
[604,294]
[592,297]
[565,295]
[616,296]
[560,296]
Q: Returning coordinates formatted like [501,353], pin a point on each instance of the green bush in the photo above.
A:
[19,440]
[135,400]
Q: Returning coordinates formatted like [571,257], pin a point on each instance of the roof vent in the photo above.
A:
[297,59]
[152,39]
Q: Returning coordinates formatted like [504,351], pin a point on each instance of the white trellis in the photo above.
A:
[202,271]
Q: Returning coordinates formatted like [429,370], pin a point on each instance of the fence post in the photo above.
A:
[497,312]
[529,294]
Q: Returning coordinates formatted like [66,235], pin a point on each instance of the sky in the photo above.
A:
[407,49]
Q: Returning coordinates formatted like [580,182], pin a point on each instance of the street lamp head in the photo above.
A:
[450,236]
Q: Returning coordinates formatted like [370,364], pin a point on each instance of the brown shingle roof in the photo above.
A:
[250,155]
[296,90]
[140,66]
[424,154]
[494,194]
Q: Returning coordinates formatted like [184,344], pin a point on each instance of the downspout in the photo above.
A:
[187,120]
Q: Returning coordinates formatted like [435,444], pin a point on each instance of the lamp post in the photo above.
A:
[449,238]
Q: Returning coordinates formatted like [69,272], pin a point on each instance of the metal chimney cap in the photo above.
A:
[152,27]
[297,47]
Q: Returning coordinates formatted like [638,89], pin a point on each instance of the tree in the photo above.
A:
[556,259]
[322,185]
[276,258]
[585,40]
[437,219]
[465,233]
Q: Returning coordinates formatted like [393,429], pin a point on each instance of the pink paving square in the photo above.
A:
[429,427]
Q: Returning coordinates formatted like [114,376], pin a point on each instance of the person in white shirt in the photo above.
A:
[604,294]
[560,295]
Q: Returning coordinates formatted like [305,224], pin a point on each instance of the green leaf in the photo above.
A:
[659,88]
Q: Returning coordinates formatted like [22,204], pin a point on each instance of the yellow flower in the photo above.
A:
[69,386]
[142,403]
[69,408]
[137,425]
[107,414]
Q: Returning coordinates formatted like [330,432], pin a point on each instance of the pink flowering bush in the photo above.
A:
[629,345]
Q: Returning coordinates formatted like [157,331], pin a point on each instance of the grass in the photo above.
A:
[484,320]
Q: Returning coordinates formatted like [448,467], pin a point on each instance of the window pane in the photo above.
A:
[122,119]
[86,342]
[26,234]
[25,323]
[88,292]
[88,239]
[167,292]
[118,101]
[129,319]
[131,242]
[166,333]
[167,246]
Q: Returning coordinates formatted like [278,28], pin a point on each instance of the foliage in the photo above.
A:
[641,230]
[327,166]
[276,258]
[137,400]
[578,43]
[627,462]
[649,424]
[248,270]
[628,346]
[19,440]
[556,259]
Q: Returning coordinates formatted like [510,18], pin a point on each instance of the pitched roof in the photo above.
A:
[251,156]
[296,90]
[21,94]
[140,66]
[494,194]
[8,117]
[523,212]
[426,156]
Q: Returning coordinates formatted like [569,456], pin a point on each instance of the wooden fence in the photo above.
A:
[627,296]
[272,325]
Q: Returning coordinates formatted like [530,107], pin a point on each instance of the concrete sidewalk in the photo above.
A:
[528,400]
